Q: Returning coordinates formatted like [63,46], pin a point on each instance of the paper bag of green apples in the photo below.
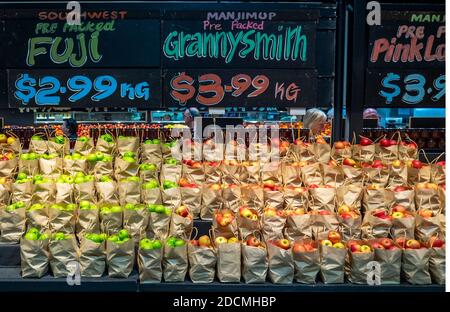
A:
[62,218]
[88,218]
[34,253]
[59,144]
[202,259]
[64,189]
[38,144]
[63,250]
[159,221]
[22,189]
[84,146]
[150,192]
[149,260]
[106,144]
[171,149]
[50,164]
[29,163]
[93,254]
[149,171]
[127,144]
[175,260]
[170,170]
[12,222]
[84,187]
[120,254]
[135,220]
[129,190]
[38,217]
[106,189]
[111,218]
[126,166]
[75,163]
[100,164]
[151,151]
[171,195]
[44,189]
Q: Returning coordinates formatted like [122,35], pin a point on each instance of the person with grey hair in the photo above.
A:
[189,115]
[314,120]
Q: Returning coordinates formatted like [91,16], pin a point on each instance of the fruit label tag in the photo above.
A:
[374,273]
[74,275]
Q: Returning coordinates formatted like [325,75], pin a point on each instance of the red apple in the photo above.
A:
[385,142]
[412,244]
[349,162]
[298,248]
[387,243]
[283,243]
[400,188]
[334,237]
[365,141]
[435,242]
[253,241]
[377,246]
[416,164]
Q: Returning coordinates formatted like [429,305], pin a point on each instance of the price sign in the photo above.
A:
[406,88]
[87,88]
[238,88]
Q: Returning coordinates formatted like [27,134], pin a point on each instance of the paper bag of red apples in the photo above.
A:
[349,222]
[202,259]
[281,261]
[376,223]
[273,221]
[224,223]
[387,149]
[332,258]
[341,150]
[247,221]
[254,259]
[273,194]
[181,222]
[298,224]
[364,151]
[428,224]
[389,255]
[427,196]
[360,254]
[228,259]
[306,257]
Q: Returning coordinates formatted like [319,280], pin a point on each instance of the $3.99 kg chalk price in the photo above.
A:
[211,90]
[414,86]
[47,90]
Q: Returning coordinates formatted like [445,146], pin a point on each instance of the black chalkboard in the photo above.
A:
[84,88]
[240,87]
[233,38]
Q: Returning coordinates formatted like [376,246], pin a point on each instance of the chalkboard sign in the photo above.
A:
[223,87]
[406,60]
[84,88]
[105,38]
[233,38]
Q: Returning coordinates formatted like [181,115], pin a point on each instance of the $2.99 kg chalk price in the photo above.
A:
[47,90]
[211,90]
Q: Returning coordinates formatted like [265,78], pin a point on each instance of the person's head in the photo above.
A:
[314,120]
[69,127]
[370,113]
[189,115]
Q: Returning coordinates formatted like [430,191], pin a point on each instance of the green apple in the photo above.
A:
[71,207]
[129,206]
[68,157]
[129,159]
[20,204]
[59,139]
[38,177]
[92,158]
[36,138]
[133,179]
[43,236]
[31,235]
[146,244]
[83,139]
[88,178]
[11,208]
[179,243]
[99,156]
[157,244]
[79,174]
[56,206]
[33,230]
[171,241]
[156,141]
[105,210]
[21,176]
[32,156]
[107,158]
[123,234]
[148,142]
[76,156]
[85,204]
[116,209]
[113,238]
[59,236]
[107,137]
[129,154]
[105,179]
[36,207]
[70,180]
[79,180]
[25,156]
[151,207]
[171,161]
[169,184]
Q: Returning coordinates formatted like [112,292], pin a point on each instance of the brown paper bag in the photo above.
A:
[291,174]
[298,227]
[353,175]
[251,172]
[192,174]
[306,263]
[295,197]
[171,197]
[211,200]
[274,198]
[403,226]
[120,258]
[62,252]
[376,176]
[64,193]
[107,193]
[421,175]
[333,175]
[350,195]
[34,257]
[88,221]
[374,227]
[175,263]
[272,226]
[92,258]
[247,226]
[253,196]
[312,174]
[437,174]
[29,167]
[322,198]
[38,146]
[180,226]
[102,168]
[202,264]
[254,264]
[44,192]
[170,172]
[12,224]
[124,169]
[191,197]
[213,173]
[323,224]
[5,194]
[61,221]
[147,175]
[60,149]
[51,167]
[38,218]
[390,261]
[362,153]
[128,144]
[404,198]
[22,192]
[437,265]
[332,261]
[229,230]
[151,196]
[71,166]
[350,228]
[8,167]
[85,191]
[304,152]
[111,222]
[379,198]
[398,175]
[151,153]
[231,174]
[425,228]
[229,262]
[129,192]
[386,154]
[158,225]
[84,148]
[339,154]
[322,152]
[135,221]
[281,264]
[231,196]
[356,266]
[415,266]
[150,265]
[428,199]
[105,147]
[272,171]
[406,152]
